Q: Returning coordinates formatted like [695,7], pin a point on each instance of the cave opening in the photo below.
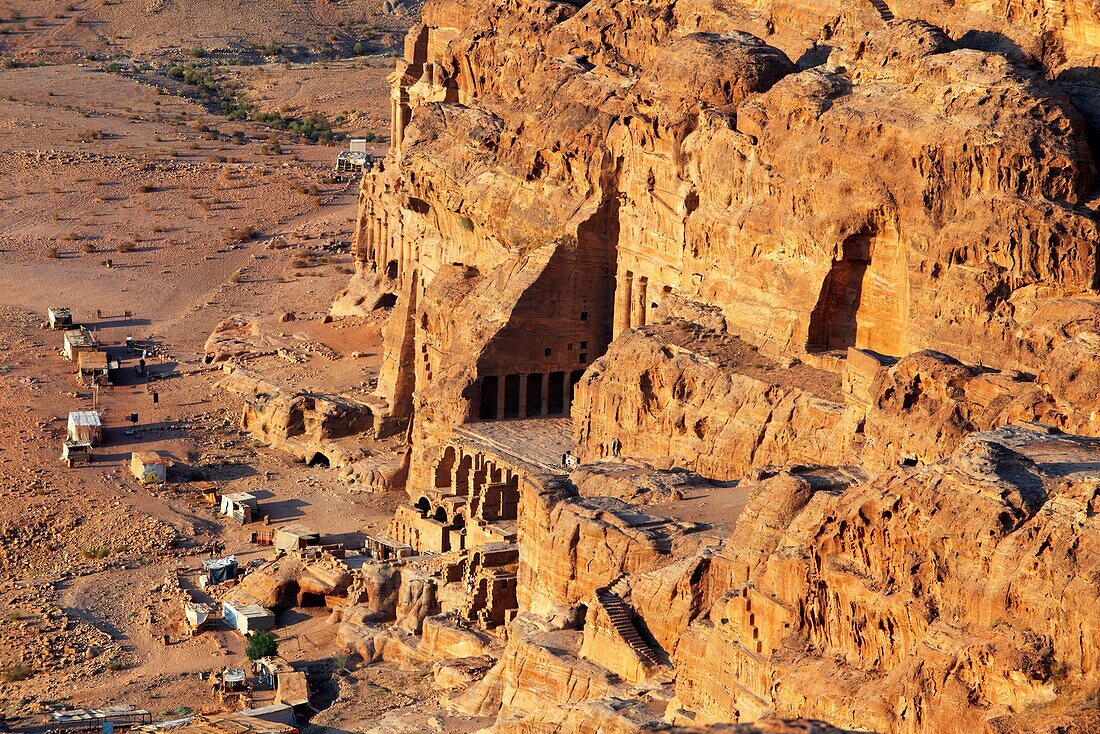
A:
[487,409]
[556,401]
[386,300]
[533,399]
[319,459]
[310,599]
[511,396]
[834,321]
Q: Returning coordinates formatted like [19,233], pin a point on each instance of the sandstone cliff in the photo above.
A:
[926,598]
[561,174]
[930,595]
[843,255]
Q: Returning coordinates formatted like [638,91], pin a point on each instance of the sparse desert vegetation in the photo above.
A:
[148,166]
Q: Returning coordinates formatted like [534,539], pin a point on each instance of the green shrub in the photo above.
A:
[237,235]
[177,713]
[87,136]
[16,672]
[261,645]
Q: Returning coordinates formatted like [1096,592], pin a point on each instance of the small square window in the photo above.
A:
[584,316]
[548,351]
[584,358]
[570,346]
[584,345]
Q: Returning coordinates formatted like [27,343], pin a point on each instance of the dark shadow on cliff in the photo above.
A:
[814,56]
[998,43]
[1081,84]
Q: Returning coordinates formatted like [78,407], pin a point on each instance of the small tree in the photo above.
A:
[261,645]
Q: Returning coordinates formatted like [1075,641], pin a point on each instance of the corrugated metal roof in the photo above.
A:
[80,337]
[84,418]
[92,360]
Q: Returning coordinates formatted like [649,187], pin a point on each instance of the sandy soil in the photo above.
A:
[335,88]
[65,30]
[197,227]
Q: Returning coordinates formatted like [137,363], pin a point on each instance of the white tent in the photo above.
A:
[85,425]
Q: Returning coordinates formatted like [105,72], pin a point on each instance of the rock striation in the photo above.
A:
[746,359]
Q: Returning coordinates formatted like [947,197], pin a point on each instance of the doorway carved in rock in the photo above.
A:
[863,298]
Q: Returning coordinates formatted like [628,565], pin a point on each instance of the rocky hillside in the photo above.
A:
[842,259]
[895,189]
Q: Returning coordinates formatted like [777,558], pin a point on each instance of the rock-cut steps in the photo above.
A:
[883,10]
[623,623]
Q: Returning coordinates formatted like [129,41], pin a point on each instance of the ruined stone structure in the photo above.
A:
[814,283]
[474,501]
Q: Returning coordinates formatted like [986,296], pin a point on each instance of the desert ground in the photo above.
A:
[685,367]
[153,216]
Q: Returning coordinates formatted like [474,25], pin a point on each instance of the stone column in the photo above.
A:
[523,395]
[403,112]
[500,396]
[638,305]
[393,251]
[454,473]
[565,393]
[402,246]
[395,125]
[545,409]
[623,285]
[380,249]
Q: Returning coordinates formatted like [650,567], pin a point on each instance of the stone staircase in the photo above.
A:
[883,9]
[623,622]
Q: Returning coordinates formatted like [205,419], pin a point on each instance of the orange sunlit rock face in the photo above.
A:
[813,288]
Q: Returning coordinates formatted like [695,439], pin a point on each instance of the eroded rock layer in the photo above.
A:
[561,174]
[816,285]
